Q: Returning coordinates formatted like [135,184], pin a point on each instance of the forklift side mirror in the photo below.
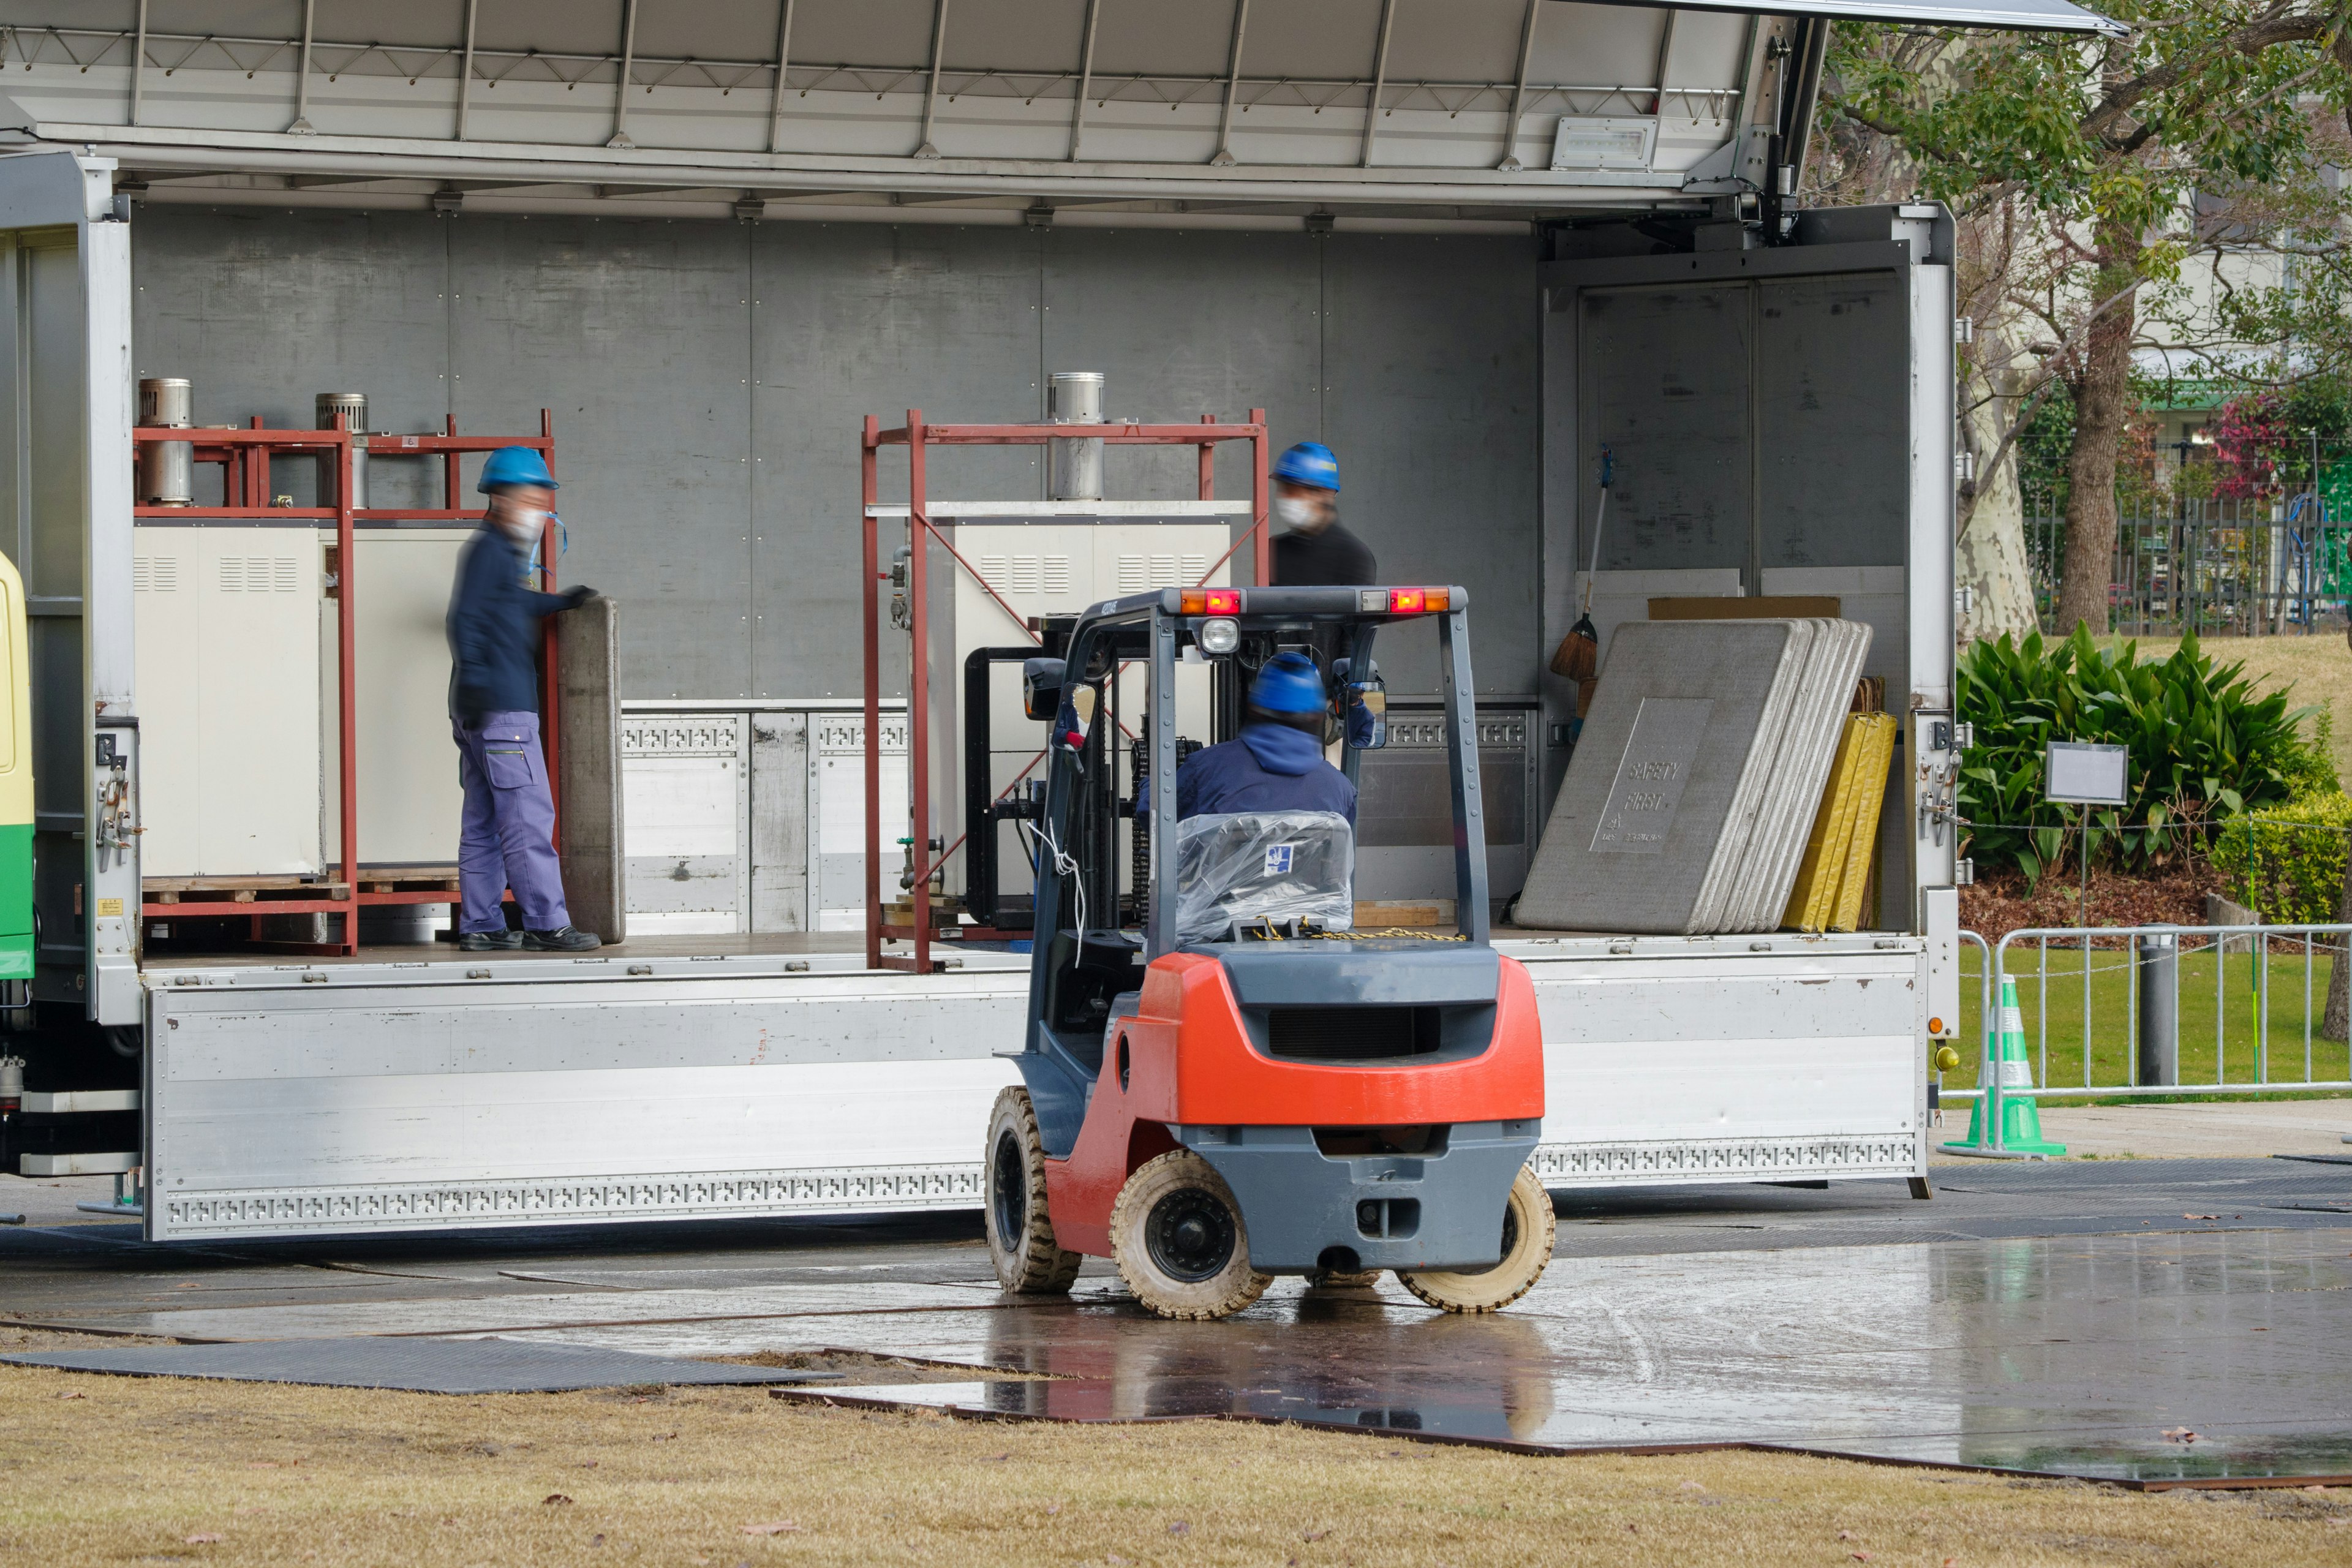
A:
[1368,711]
[1041,687]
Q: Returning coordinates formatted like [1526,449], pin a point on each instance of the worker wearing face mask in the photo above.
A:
[1314,548]
[507,838]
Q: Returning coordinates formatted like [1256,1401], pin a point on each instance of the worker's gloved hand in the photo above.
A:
[576,596]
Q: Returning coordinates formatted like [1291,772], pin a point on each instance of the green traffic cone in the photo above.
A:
[2020,1118]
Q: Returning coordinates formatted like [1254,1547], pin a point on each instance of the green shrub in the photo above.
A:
[2313,771]
[2203,744]
[2287,863]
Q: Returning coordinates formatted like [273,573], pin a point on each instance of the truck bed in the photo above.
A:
[700,1077]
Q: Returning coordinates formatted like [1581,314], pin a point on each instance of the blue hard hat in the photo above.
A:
[1288,684]
[516,466]
[1309,463]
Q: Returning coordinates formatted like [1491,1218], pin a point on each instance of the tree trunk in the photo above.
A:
[1989,554]
[2101,408]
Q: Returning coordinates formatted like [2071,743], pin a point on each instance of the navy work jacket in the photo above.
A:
[1269,767]
[494,631]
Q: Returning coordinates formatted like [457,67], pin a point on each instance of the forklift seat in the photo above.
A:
[1238,868]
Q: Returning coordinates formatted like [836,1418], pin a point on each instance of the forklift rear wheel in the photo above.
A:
[1529,1230]
[1020,1230]
[1178,1238]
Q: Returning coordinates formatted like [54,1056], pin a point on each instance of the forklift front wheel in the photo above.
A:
[1177,1236]
[1529,1230]
[1020,1231]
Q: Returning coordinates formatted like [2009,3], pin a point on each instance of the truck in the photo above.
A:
[1629,282]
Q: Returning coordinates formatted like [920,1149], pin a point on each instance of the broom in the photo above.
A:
[1578,656]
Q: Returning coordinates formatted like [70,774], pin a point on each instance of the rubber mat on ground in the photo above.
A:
[419,1366]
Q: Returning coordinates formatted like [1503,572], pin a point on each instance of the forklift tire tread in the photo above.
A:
[1177,1175]
[1029,1262]
[1530,1230]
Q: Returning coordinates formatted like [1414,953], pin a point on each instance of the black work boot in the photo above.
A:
[567,939]
[490,941]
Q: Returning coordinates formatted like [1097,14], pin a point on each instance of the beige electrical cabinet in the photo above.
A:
[1050,565]
[239,706]
[409,798]
[227,626]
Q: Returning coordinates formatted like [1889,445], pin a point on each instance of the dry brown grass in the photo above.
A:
[100,1470]
[2313,671]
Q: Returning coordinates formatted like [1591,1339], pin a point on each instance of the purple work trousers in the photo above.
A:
[508,839]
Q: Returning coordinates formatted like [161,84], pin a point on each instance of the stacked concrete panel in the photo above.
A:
[1695,782]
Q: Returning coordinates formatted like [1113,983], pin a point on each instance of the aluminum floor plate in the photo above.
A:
[417,1366]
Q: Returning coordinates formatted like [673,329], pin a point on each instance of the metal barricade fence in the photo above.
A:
[2128,1006]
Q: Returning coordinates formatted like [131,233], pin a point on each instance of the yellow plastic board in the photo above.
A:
[1870,799]
[1814,897]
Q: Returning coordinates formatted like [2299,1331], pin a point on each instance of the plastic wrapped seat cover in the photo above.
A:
[1236,868]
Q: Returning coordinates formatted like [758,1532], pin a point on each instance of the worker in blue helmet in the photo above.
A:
[506,839]
[1277,762]
[1314,548]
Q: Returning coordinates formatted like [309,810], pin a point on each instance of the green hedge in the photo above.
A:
[2287,863]
[2204,746]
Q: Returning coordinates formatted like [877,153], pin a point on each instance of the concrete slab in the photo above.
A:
[2227,1130]
[2079,1317]
[417,1366]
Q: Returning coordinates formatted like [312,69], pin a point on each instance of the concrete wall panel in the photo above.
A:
[857,319]
[1215,322]
[638,333]
[707,379]
[1431,403]
[264,310]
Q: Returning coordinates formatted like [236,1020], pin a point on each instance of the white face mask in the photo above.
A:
[1296,512]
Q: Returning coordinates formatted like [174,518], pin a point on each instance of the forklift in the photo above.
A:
[1222,1079]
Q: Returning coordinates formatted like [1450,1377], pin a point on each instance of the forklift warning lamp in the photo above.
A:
[1210,602]
[1408,600]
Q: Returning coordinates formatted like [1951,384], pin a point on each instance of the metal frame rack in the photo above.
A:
[245,456]
[918,437]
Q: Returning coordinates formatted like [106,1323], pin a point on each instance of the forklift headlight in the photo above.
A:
[1219,636]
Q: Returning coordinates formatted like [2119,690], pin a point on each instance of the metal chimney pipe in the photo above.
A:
[167,470]
[1075,466]
[328,404]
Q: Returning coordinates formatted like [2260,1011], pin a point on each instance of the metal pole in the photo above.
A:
[1470,915]
[302,126]
[919,689]
[466,71]
[784,54]
[931,100]
[347,733]
[1519,89]
[139,65]
[2157,971]
[1261,457]
[1379,80]
[628,69]
[1224,158]
[1086,80]
[1666,51]
[873,634]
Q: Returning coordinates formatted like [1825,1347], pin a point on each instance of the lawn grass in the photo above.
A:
[2315,671]
[2050,998]
[103,1471]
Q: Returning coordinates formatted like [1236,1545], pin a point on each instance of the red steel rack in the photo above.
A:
[918,437]
[245,458]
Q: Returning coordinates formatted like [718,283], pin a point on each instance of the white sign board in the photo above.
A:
[2086,775]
